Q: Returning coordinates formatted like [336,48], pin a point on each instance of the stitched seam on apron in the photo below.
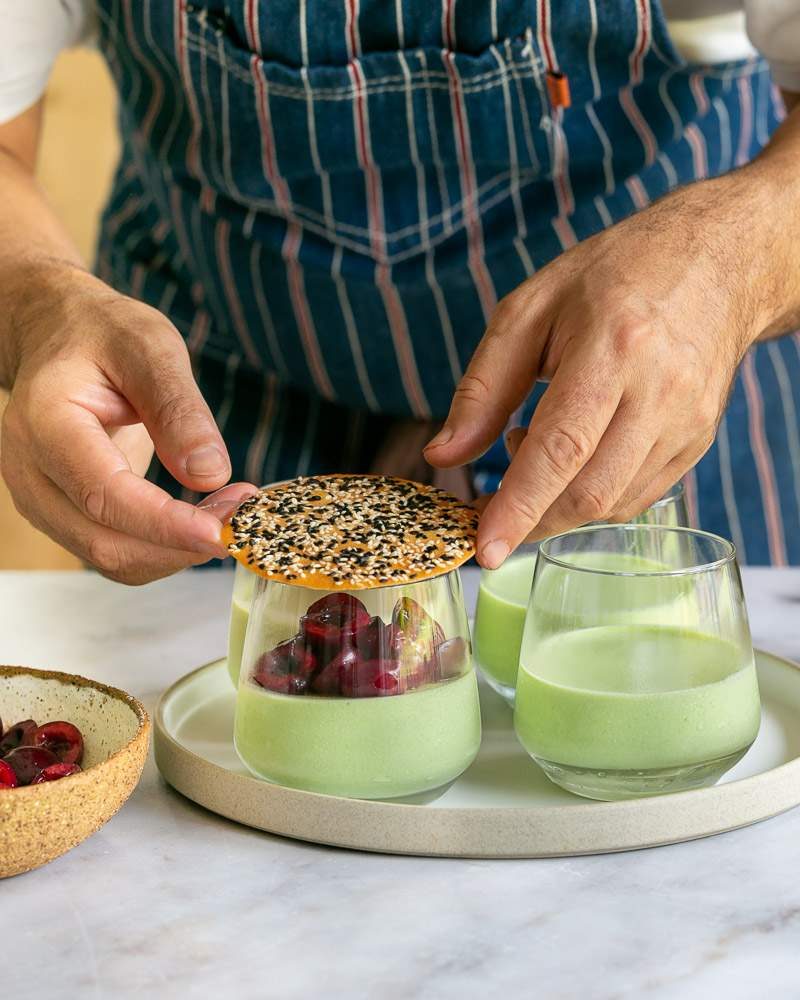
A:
[420,79]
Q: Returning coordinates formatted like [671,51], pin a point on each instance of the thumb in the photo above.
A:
[499,377]
[160,386]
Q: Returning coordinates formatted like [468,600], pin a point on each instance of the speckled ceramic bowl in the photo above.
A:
[41,822]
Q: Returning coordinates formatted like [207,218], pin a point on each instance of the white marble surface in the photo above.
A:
[170,901]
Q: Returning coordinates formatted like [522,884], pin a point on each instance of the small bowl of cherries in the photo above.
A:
[71,752]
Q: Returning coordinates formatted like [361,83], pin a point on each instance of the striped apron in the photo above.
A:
[328,197]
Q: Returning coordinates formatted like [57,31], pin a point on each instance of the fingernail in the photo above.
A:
[215,549]
[207,461]
[494,553]
[444,435]
[228,504]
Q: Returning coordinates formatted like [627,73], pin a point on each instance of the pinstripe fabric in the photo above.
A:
[329,196]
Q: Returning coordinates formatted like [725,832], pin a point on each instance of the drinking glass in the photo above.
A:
[366,694]
[670,511]
[503,599]
[244,584]
[636,672]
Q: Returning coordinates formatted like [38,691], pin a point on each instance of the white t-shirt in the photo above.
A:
[708,31]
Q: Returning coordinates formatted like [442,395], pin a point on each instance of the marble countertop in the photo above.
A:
[168,900]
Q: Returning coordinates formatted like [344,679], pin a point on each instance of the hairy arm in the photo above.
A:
[639,330]
[96,380]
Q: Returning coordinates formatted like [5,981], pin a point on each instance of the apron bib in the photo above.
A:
[328,199]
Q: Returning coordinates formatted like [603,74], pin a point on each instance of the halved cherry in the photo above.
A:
[377,640]
[330,680]
[341,605]
[27,762]
[8,776]
[287,668]
[280,682]
[16,736]
[54,772]
[371,679]
[333,621]
[62,738]
[304,660]
[294,656]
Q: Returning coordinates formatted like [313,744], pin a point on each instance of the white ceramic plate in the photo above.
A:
[502,807]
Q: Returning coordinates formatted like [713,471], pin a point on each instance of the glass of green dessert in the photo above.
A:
[504,592]
[244,583]
[368,694]
[356,669]
[636,672]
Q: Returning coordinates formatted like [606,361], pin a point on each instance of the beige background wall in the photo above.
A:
[76,161]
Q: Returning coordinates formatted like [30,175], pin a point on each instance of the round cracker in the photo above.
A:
[344,532]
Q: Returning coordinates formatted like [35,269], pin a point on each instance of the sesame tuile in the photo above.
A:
[351,532]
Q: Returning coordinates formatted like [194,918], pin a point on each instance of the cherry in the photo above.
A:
[54,772]
[27,762]
[344,606]
[17,735]
[62,738]
[376,641]
[386,682]
[370,678]
[304,660]
[281,683]
[332,679]
[273,670]
[8,776]
[287,668]
[332,621]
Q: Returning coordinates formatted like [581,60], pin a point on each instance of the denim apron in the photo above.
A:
[328,197]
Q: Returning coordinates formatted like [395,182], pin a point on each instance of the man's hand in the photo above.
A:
[98,378]
[639,330]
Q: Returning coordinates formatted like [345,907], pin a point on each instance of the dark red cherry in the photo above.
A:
[281,682]
[17,735]
[62,738]
[287,668]
[334,676]
[376,641]
[273,670]
[27,762]
[54,772]
[333,621]
[386,682]
[301,658]
[337,605]
[304,660]
[370,679]
[8,776]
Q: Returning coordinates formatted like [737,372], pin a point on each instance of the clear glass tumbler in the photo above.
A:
[244,584]
[670,511]
[636,672]
[503,599]
[365,694]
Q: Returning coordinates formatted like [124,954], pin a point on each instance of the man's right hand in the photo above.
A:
[97,380]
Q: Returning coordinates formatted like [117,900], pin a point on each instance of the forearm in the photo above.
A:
[34,246]
[776,173]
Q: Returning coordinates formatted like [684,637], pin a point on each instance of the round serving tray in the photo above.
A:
[501,807]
